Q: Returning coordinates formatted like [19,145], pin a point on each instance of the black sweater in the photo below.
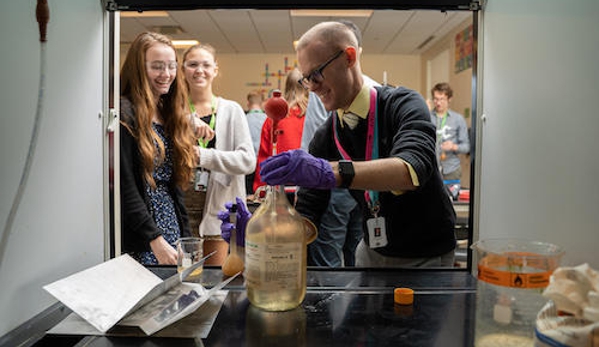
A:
[137,225]
[419,223]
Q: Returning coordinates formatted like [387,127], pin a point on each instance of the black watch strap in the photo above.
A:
[346,172]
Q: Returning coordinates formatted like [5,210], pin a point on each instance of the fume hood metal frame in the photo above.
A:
[474,6]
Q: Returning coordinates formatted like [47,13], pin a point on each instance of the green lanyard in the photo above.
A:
[443,120]
[202,143]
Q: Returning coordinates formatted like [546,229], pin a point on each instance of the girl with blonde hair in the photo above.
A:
[229,156]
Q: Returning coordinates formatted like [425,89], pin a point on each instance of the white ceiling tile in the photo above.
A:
[247,31]
[200,25]
[382,29]
[274,30]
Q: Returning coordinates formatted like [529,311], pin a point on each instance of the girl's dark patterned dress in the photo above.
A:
[162,205]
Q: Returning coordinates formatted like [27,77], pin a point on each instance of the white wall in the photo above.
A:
[58,228]
[540,145]
[237,71]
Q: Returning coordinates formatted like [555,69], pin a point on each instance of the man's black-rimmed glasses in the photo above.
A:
[316,75]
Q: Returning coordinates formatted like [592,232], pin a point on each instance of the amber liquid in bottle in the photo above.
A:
[275,255]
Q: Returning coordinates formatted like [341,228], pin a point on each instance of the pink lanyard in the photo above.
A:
[372,148]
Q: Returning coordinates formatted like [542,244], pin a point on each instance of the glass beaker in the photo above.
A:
[512,274]
[190,251]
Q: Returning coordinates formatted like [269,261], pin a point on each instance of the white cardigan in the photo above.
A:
[232,158]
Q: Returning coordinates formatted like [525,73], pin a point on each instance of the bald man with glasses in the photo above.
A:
[379,143]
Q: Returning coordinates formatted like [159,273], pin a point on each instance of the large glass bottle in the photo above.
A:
[275,254]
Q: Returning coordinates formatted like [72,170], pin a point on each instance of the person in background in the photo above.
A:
[378,142]
[156,151]
[452,132]
[255,118]
[340,229]
[315,116]
[229,156]
[289,129]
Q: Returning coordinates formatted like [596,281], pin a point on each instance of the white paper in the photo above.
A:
[197,325]
[177,303]
[173,305]
[105,293]
[123,291]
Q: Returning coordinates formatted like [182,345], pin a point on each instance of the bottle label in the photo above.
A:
[276,265]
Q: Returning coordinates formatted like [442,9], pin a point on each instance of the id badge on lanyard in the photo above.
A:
[202,176]
[377,231]
[200,183]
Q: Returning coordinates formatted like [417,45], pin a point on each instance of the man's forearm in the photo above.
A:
[388,174]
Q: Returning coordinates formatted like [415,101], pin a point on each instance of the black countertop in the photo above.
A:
[342,307]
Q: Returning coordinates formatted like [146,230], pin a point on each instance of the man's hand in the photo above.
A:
[298,168]
[430,104]
[449,146]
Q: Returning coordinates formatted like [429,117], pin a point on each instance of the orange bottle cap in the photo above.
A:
[403,296]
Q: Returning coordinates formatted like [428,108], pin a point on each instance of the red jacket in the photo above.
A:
[289,136]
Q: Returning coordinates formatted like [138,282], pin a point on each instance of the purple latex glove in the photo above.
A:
[299,168]
[226,226]
[243,216]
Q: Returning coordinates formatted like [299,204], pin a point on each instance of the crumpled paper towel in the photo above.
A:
[571,317]
[575,290]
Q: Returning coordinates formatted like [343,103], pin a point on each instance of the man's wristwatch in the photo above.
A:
[346,172]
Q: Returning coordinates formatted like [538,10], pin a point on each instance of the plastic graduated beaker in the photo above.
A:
[512,274]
